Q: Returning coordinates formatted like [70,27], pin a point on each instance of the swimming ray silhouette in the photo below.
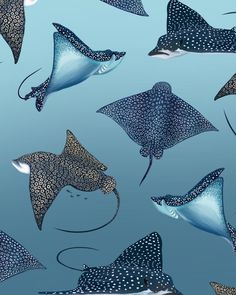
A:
[49,173]
[156,120]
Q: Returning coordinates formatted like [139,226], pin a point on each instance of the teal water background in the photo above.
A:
[192,257]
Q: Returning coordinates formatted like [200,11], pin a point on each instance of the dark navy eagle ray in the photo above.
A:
[12,24]
[137,270]
[202,207]
[14,258]
[222,289]
[132,6]
[49,173]
[187,32]
[73,63]
[157,120]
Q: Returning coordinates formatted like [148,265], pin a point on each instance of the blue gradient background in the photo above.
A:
[191,256]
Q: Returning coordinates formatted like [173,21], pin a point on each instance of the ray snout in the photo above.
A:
[157,200]
[21,167]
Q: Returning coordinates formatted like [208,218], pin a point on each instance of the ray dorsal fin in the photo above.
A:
[75,149]
[146,253]
[180,17]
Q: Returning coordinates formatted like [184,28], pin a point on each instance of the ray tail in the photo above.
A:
[100,227]
[228,122]
[148,169]
[72,248]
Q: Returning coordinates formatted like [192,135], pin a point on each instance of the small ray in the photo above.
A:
[49,173]
[132,6]
[187,31]
[222,289]
[73,63]
[202,207]
[139,267]
[156,120]
[14,258]
[12,25]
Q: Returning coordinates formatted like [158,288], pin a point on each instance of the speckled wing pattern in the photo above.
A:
[46,181]
[181,17]
[228,89]
[12,24]
[222,289]
[146,252]
[14,258]
[157,117]
[132,6]
[176,201]
[137,269]
[74,149]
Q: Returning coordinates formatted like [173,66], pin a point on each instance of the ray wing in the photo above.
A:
[45,184]
[75,149]
[12,24]
[14,258]
[146,253]
[228,89]
[132,6]
[182,17]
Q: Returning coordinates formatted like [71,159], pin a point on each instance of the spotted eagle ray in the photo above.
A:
[202,207]
[49,173]
[187,32]
[12,25]
[156,120]
[223,290]
[14,258]
[132,6]
[73,63]
[138,270]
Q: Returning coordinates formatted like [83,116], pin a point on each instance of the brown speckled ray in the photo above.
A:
[12,24]
[228,89]
[49,173]
[223,290]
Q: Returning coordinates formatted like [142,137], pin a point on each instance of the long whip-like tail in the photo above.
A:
[21,84]
[72,248]
[99,227]
[231,12]
[230,126]
[148,169]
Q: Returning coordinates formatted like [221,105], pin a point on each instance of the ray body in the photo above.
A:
[73,63]
[132,6]
[157,119]
[12,24]
[49,173]
[138,270]
[222,289]
[14,258]
[188,32]
[202,207]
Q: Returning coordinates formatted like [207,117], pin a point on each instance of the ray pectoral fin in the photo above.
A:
[99,227]
[44,187]
[13,25]
[180,16]
[74,148]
